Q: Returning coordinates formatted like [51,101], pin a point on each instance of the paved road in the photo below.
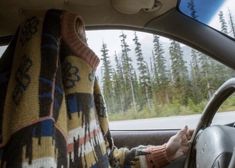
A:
[173,122]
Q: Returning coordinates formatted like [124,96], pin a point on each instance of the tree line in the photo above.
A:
[151,82]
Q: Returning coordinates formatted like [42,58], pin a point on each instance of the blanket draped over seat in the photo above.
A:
[52,113]
[47,95]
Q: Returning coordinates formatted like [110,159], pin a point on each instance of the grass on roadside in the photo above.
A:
[172,109]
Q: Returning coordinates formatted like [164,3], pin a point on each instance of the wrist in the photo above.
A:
[168,152]
[157,156]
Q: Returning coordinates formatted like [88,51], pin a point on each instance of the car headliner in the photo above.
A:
[111,14]
[94,12]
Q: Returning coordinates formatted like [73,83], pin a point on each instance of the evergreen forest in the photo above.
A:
[142,86]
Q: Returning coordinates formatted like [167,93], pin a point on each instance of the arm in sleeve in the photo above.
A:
[138,157]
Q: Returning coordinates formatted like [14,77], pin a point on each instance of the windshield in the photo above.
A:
[218,14]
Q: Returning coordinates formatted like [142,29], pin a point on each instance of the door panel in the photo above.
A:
[146,137]
[135,138]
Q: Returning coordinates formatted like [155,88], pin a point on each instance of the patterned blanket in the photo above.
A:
[52,113]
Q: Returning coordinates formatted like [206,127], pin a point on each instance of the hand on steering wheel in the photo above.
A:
[178,144]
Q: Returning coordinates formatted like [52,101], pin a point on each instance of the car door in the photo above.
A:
[133,138]
[143,113]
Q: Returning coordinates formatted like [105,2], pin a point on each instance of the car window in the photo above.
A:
[220,15]
[2,49]
[152,82]
[226,112]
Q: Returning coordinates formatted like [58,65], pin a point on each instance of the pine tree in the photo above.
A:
[219,73]
[144,75]
[231,23]
[118,95]
[191,7]
[128,72]
[224,27]
[179,72]
[197,94]
[152,68]
[160,70]
[119,68]
[107,76]
[118,85]
[206,81]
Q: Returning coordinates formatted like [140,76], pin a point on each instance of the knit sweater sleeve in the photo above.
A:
[138,157]
[73,34]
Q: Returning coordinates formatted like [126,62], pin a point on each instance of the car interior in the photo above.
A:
[210,146]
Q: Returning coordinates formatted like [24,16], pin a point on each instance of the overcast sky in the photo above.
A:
[228,4]
[112,39]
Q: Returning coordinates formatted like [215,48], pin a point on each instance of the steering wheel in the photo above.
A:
[208,114]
